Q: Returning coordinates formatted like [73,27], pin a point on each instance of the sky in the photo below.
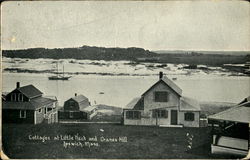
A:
[153,25]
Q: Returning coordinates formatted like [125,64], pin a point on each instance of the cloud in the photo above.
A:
[199,25]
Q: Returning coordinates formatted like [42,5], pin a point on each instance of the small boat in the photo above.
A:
[59,77]
[174,79]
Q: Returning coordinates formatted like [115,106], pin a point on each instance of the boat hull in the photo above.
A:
[59,78]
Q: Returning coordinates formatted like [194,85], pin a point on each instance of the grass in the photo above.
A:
[143,141]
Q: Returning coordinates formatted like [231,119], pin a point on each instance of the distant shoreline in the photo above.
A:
[210,58]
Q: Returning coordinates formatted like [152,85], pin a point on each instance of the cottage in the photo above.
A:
[230,130]
[27,105]
[77,107]
[162,105]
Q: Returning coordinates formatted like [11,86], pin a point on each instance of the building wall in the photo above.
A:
[12,116]
[148,119]
[39,116]
[90,116]
[149,102]
[71,105]
[195,123]
[76,115]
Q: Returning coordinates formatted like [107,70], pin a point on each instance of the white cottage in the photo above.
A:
[162,105]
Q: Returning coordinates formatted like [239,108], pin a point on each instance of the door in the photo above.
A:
[174,117]
[71,114]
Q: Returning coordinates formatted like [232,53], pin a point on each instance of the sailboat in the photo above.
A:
[58,76]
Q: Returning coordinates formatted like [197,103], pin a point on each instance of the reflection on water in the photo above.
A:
[119,90]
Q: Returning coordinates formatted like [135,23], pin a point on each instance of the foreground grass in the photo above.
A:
[142,142]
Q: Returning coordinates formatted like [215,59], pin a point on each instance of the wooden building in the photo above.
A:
[230,130]
[77,107]
[162,105]
[27,105]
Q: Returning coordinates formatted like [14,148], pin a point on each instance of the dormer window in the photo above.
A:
[20,97]
[13,97]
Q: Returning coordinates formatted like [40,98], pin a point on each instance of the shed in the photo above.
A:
[77,107]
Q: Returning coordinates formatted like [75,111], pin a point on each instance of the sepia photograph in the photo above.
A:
[125,79]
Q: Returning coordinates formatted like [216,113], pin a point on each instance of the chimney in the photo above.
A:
[160,75]
[75,94]
[17,84]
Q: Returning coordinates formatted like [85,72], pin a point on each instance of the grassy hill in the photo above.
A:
[84,52]
[212,58]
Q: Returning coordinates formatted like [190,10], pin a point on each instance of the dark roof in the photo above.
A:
[189,104]
[136,104]
[33,104]
[30,91]
[79,98]
[169,83]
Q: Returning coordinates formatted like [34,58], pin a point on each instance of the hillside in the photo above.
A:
[202,52]
[84,52]
[137,55]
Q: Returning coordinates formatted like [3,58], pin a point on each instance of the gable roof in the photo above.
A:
[30,91]
[87,109]
[79,98]
[169,83]
[189,104]
[136,104]
[33,104]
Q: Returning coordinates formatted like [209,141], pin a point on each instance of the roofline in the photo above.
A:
[242,104]
[34,96]
[198,110]
[156,84]
[225,111]
[31,109]
[218,119]
[24,93]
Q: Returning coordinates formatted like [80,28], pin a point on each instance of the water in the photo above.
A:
[119,90]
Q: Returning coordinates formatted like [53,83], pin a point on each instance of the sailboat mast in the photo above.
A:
[63,70]
[57,69]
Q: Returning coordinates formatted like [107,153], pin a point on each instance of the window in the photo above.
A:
[40,110]
[189,116]
[133,115]
[45,110]
[161,96]
[49,109]
[71,114]
[13,97]
[20,97]
[22,114]
[160,113]
[71,104]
